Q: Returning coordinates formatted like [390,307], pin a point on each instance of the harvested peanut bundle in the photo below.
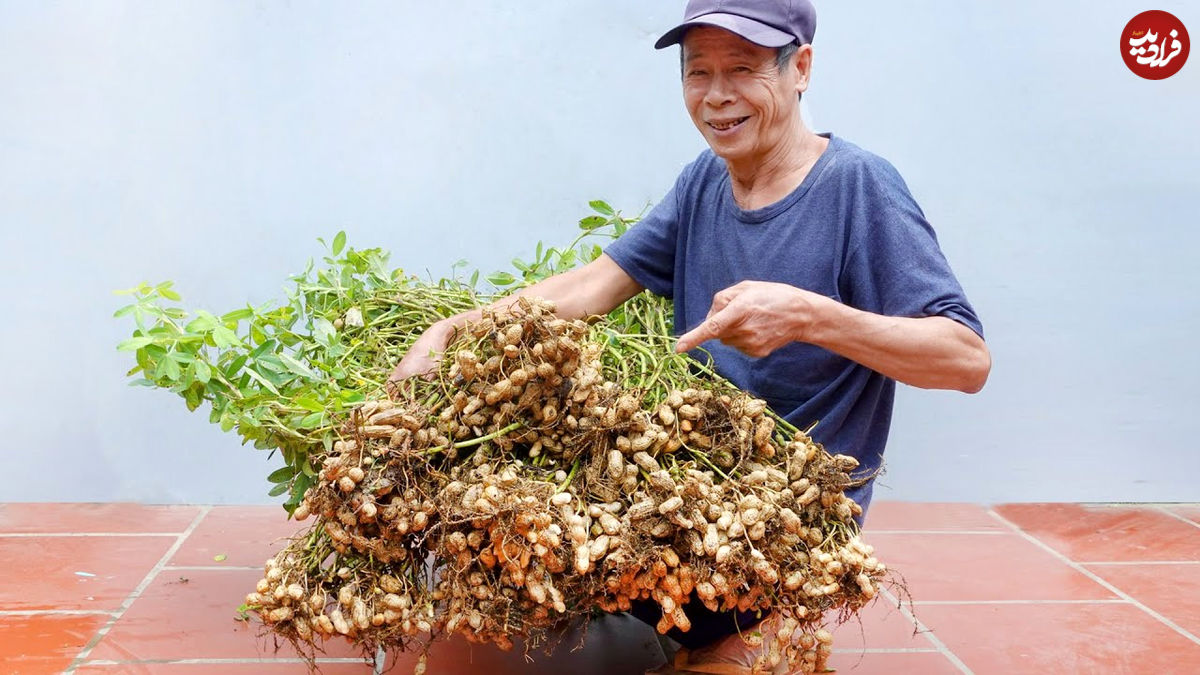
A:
[552,468]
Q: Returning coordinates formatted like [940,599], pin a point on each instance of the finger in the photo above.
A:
[721,300]
[712,328]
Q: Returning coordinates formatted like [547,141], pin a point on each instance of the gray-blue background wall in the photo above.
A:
[212,142]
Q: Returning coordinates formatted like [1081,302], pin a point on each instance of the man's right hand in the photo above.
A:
[423,357]
[595,288]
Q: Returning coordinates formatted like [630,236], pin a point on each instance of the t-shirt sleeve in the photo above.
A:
[647,250]
[894,265]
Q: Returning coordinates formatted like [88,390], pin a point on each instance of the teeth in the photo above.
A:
[726,125]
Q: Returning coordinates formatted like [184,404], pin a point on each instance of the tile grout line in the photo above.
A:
[1095,577]
[219,661]
[23,535]
[137,591]
[58,612]
[887,650]
[933,639]
[868,533]
[1176,516]
[215,568]
[1107,601]
[1141,562]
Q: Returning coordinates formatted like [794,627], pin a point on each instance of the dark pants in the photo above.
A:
[707,626]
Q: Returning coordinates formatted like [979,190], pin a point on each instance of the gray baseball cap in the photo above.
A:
[770,23]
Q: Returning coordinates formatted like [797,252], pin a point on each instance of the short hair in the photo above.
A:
[783,56]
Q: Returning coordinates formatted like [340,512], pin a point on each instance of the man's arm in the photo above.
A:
[758,317]
[596,288]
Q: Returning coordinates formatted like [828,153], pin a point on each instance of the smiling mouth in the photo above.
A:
[727,125]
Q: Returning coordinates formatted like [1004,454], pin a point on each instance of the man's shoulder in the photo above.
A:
[853,158]
[706,165]
[863,172]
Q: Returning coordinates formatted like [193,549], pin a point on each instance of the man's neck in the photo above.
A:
[764,181]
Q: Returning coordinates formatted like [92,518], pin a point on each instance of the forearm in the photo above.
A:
[931,352]
[596,288]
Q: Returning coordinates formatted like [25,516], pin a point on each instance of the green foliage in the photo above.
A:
[282,374]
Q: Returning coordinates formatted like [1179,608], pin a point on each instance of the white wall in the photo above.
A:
[212,142]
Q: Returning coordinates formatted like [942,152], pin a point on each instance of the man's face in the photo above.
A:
[742,103]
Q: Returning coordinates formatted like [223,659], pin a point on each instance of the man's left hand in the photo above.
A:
[756,317]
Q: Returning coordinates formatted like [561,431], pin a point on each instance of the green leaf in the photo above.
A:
[339,242]
[169,294]
[501,279]
[265,347]
[304,480]
[350,396]
[600,206]
[168,368]
[592,222]
[310,404]
[282,474]
[220,557]
[297,367]
[193,395]
[237,315]
[198,325]
[312,421]
[134,344]
[202,371]
[210,318]
[123,311]
[224,337]
[183,358]
[269,363]
[235,366]
[278,490]
[323,331]
[254,375]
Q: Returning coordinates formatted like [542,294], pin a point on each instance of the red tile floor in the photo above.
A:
[1018,588]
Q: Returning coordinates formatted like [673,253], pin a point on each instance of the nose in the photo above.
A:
[720,91]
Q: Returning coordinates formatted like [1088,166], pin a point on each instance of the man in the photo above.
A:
[799,261]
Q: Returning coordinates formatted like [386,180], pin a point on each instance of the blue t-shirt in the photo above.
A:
[850,231]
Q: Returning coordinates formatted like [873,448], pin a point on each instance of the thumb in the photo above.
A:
[712,328]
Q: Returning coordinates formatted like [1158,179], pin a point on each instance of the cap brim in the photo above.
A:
[754,31]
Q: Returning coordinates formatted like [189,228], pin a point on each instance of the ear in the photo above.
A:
[803,65]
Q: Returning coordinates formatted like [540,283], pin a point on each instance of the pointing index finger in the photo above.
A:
[713,327]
